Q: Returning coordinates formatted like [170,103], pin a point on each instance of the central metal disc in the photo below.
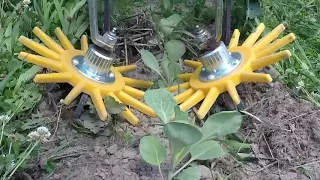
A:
[218,63]
[96,64]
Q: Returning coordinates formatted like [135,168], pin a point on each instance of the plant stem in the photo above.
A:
[24,158]
[160,172]
[185,165]
[10,147]
[2,131]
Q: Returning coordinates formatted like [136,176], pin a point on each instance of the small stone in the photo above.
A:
[102,152]
[96,149]
[118,154]
[114,160]
[107,162]
[69,164]
[130,154]
[205,173]
[112,149]
[116,170]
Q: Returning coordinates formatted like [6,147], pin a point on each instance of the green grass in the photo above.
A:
[302,17]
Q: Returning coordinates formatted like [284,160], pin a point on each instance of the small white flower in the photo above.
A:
[5,118]
[61,100]
[300,85]
[34,136]
[26,2]
[41,134]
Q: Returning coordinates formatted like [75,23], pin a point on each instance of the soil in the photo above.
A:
[285,143]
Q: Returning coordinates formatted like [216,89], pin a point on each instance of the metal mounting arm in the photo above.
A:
[109,39]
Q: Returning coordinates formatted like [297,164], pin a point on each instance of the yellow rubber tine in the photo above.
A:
[192,64]
[39,48]
[192,101]
[271,59]
[41,61]
[185,77]
[128,100]
[136,93]
[273,47]
[53,78]
[99,104]
[185,85]
[124,69]
[84,43]
[231,88]
[208,102]
[235,39]
[127,114]
[184,95]
[63,39]
[137,83]
[74,93]
[263,42]
[255,77]
[47,40]
[253,37]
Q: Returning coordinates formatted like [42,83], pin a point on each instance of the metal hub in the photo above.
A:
[96,64]
[218,63]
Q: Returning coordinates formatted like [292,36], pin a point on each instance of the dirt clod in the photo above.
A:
[112,149]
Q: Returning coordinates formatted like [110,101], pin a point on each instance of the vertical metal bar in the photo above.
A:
[106,16]
[227,23]
[219,19]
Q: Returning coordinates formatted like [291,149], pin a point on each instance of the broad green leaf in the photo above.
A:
[162,102]
[166,4]
[191,173]
[180,116]
[236,146]
[174,69]
[28,75]
[254,9]
[168,24]
[162,83]
[113,106]
[150,61]
[181,136]
[206,150]
[165,66]
[152,151]
[175,19]
[175,50]
[221,124]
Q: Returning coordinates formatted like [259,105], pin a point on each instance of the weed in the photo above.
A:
[184,137]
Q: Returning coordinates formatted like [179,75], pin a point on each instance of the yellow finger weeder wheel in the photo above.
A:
[224,68]
[88,70]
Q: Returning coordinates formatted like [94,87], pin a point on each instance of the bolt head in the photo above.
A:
[75,62]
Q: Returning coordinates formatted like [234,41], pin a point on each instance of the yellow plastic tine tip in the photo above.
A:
[129,100]
[192,64]
[184,95]
[185,77]
[231,88]
[208,102]
[41,61]
[137,83]
[254,36]
[126,114]
[255,77]
[53,78]
[278,44]
[192,101]
[47,40]
[185,85]
[235,39]
[271,59]
[38,48]
[63,39]
[74,93]
[136,93]
[84,43]
[263,42]
[99,104]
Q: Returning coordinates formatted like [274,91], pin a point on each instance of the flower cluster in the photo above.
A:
[5,118]
[41,134]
